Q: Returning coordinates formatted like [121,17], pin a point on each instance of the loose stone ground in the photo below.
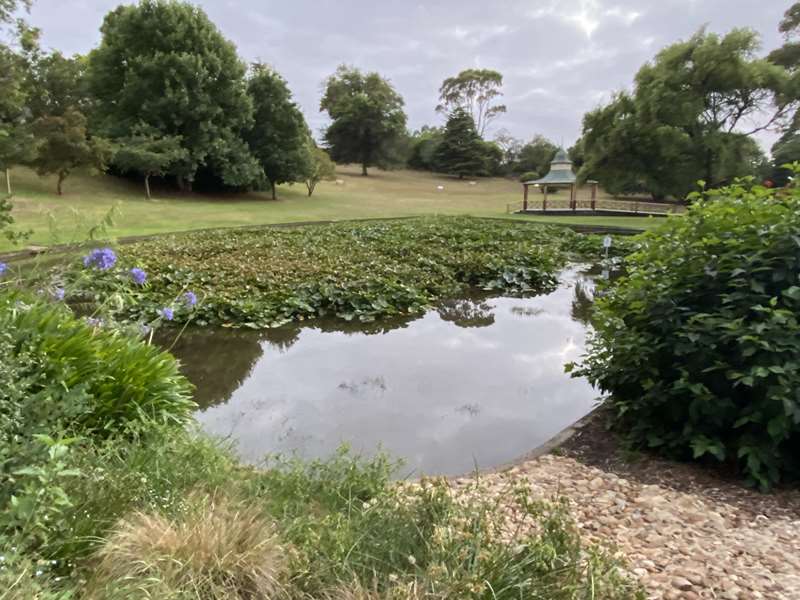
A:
[685,534]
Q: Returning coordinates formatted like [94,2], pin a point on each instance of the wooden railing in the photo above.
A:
[600,204]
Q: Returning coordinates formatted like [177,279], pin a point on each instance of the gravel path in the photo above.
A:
[681,543]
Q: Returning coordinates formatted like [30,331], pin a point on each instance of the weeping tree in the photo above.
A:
[690,115]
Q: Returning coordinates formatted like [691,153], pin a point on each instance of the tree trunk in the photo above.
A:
[274,193]
[61,177]
[181,182]
[310,185]
[364,169]
[8,181]
[147,186]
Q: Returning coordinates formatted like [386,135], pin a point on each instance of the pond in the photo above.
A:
[476,383]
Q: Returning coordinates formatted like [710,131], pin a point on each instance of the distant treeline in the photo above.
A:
[166,95]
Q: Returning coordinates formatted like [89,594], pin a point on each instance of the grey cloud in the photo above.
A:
[560,58]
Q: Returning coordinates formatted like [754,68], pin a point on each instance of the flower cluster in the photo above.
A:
[101,258]
[190,299]
[166,313]
[138,276]
[3,268]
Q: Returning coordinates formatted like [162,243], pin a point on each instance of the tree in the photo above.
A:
[64,145]
[461,151]
[148,153]
[165,65]
[56,103]
[423,147]
[536,156]
[279,137]
[368,118]
[16,141]
[322,168]
[690,113]
[474,91]
[785,151]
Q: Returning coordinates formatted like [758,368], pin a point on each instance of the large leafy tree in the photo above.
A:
[787,148]
[164,64]
[279,137]
[367,116]
[423,144]
[535,156]
[16,142]
[57,102]
[475,91]
[461,152]
[690,114]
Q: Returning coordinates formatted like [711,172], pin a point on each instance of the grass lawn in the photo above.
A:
[383,194]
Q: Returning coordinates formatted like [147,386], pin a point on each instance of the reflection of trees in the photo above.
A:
[216,361]
[383,325]
[282,338]
[583,300]
[466,312]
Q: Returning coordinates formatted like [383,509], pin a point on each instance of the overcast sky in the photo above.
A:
[560,58]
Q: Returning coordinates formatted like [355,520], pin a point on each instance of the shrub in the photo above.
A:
[59,369]
[62,381]
[698,346]
[216,549]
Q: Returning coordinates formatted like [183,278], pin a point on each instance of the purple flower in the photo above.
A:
[94,322]
[190,298]
[59,293]
[138,276]
[166,313]
[102,258]
[3,268]
[145,329]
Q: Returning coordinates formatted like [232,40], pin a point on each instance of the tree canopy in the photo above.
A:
[475,91]
[688,118]
[461,151]
[149,153]
[279,137]
[368,118]
[166,65]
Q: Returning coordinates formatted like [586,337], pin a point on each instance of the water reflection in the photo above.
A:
[475,382]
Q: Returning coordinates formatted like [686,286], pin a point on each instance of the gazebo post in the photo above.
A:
[573,197]
[525,197]
[594,194]
[544,200]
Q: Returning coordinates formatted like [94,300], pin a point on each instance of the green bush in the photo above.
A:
[65,382]
[698,346]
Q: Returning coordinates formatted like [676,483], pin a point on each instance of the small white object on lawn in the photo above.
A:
[440,188]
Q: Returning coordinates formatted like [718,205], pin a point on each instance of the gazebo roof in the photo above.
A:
[560,171]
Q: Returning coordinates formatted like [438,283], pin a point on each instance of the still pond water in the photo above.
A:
[476,383]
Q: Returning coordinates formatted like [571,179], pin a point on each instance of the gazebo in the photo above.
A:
[559,176]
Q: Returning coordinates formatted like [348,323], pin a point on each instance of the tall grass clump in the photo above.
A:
[698,347]
[215,549]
